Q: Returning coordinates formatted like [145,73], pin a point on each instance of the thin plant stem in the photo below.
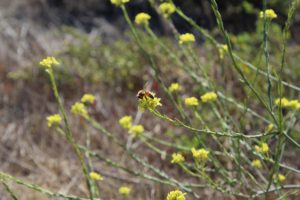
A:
[12,194]
[37,188]
[69,133]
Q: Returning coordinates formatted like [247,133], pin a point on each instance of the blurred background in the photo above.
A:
[90,38]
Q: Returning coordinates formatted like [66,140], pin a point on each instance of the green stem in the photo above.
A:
[12,194]
[37,188]
[69,133]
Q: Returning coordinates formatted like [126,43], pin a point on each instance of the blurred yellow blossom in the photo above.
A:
[208,97]
[222,50]
[95,176]
[126,122]
[281,177]
[167,9]
[186,38]
[200,154]
[142,18]
[269,128]
[284,102]
[177,158]
[49,62]
[294,104]
[270,14]
[176,195]
[53,119]
[191,101]
[118,2]
[174,87]
[124,190]
[78,108]
[88,99]
[256,163]
[264,148]
[137,129]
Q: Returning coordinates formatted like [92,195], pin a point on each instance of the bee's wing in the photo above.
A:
[148,85]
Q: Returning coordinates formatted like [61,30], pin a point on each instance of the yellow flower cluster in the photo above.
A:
[177,158]
[186,38]
[281,177]
[270,14]
[176,195]
[118,2]
[222,50]
[95,176]
[191,101]
[264,148]
[124,190]
[135,130]
[208,97]
[49,62]
[79,109]
[88,99]
[295,104]
[256,163]
[167,9]
[126,122]
[142,18]
[53,120]
[269,128]
[200,154]
[149,103]
[174,87]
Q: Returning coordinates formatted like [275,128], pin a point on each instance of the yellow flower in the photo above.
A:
[124,190]
[208,97]
[149,103]
[200,154]
[53,119]
[49,62]
[95,176]
[137,129]
[223,49]
[270,14]
[177,158]
[176,195]
[256,163]
[264,148]
[78,108]
[167,9]
[191,101]
[281,177]
[294,104]
[257,148]
[118,2]
[174,87]
[126,122]
[88,99]
[142,18]
[186,38]
[284,102]
[269,128]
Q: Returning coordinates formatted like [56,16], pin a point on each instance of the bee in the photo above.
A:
[144,93]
